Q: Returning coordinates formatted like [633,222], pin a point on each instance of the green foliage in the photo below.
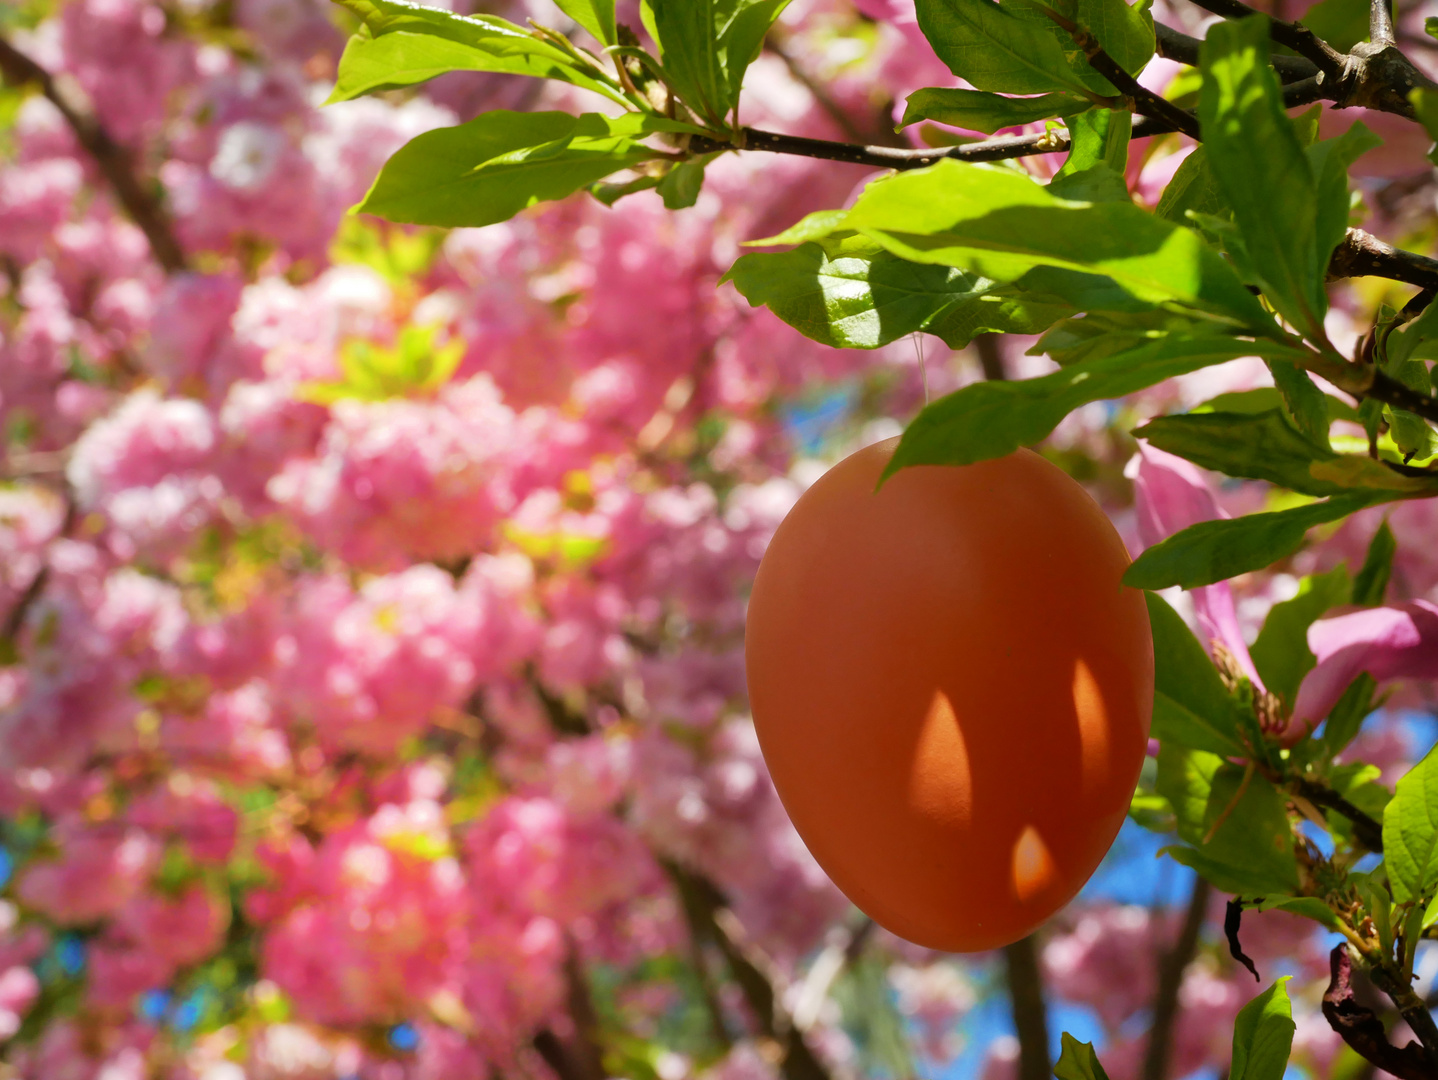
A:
[1212,551]
[1371,581]
[1263,1036]
[978,110]
[416,365]
[1410,833]
[501,162]
[1281,653]
[596,16]
[1264,446]
[1000,224]
[1305,406]
[405,44]
[849,292]
[1015,48]
[707,45]
[1077,1061]
[1235,823]
[1262,170]
[990,419]
[1191,706]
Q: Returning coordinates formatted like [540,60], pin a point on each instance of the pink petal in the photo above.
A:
[1389,643]
[1170,495]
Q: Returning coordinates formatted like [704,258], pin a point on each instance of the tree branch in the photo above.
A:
[1361,1029]
[707,912]
[1145,100]
[1026,993]
[1170,979]
[1366,830]
[1380,23]
[113,160]
[1414,1012]
[1183,48]
[1294,35]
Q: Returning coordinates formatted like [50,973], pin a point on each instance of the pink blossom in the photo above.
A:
[1387,642]
[1170,495]
[97,872]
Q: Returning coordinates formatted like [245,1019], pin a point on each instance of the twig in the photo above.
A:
[114,160]
[1026,993]
[990,358]
[1145,100]
[707,912]
[1414,1012]
[1183,48]
[1295,35]
[1366,830]
[1171,967]
[1380,23]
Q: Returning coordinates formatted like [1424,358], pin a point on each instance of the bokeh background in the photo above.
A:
[371,599]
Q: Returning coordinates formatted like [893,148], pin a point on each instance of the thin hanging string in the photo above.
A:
[923,371]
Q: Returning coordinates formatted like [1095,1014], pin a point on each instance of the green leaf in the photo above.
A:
[1341,23]
[1305,405]
[1192,188]
[1097,137]
[1410,832]
[977,110]
[1281,653]
[1425,106]
[1000,224]
[1360,784]
[1008,48]
[1191,707]
[1347,716]
[1263,1036]
[681,185]
[851,293]
[1309,907]
[1241,839]
[1264,446]
[502,162]
[596,16]
[1372,580]
[707,45]
[1262,170]
[1014,48]
[1077,1061]
[990,419]
[410,44]
[1094,170]
[1213,551]
[1331,159]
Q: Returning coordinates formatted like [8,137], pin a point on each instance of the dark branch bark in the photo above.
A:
[1145,100]
[1026,993]
[1170,978]
[704,906]
[990,358]
[1364,255]
[1295,35]
[1361,1029]
[1183,48]
[113,160]
[1366,830]
[1413,1010]
[1380,23]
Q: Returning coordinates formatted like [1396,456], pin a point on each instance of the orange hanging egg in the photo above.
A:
[952,690]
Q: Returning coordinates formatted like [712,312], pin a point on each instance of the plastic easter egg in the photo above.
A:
[952,690]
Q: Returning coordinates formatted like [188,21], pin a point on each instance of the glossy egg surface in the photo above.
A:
[952,690]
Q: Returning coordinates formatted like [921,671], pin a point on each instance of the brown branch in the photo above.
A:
[576,1057]
[1366,830]
[1026,994]
[114,161]
[1170,979]
[1145,100]
[1183,48]
[1294,35]
[1361,1028]
[707,912]
[1413,1010]
[1380,23]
